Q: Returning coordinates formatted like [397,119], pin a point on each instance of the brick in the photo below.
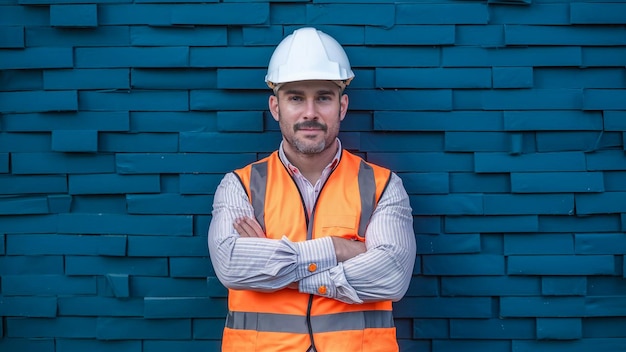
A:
[100,306]
[134,14]
[491,224]
[599,286]
[492,329]
[59,203]
[537,162]
[113,184]
[171,225]
[552,121]
[577,141]
[240,121]
[191,267]
[454,13]
[561,265]
[145,329]
[608,306]
[263,35]
[82,120]
[480,35]
[60,327]
[170,246]
[444,307]
[178,36]
[597,223]
[57,163]
[29,224]
[183,307]
[144,100]
[190,346]
[74,141]
[215,288]
[542,307]
[512,204]
[595,327]
[173,78]
[601,203]
[615,120]
[221,14]
[425,183]
[559,328]
[15,15]
[364,14]
[232,78]
[604,99]
[600,243]
[603,56]
[465,182]
[471,345]
[456,56]
[39,101]
[557,182]
[490,286]
[208,329]
[430,329]
[615,181]
[4,162]
[12,37]
[564,35]
[597,13]
[287,13]
[27,345]
[438,121]
[430,78]
[42,37]
[423,286]
[199,183]
[516,244]
[118,285]
[2,252]
[138,142]
[47,285]
[230,56]
[122,57]
[131,163]
[601,160]
[453,204]
[413,345]
[83,265]
[410,35]
[71,345]
[522,99]
[564,286]
[229,142]
[61,244]
[74,15]
[445,244]
[395,142]
[582,345]
[86,79]
[537,14]
[207,100]
[438,99]
[142,286]
[576,77]
[512,77]
[378,56]
[14,80]
[463,264]
[165,121]
[24,142]
[477,142]
[16,205]
[423,162]
[22,306]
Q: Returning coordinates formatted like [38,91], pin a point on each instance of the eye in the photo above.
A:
[295,98]
[325,98]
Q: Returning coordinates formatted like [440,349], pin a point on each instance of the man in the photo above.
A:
[312,242]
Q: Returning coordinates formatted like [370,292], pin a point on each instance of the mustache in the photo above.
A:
[309,124]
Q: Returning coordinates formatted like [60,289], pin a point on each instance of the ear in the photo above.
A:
[273,105]
[343,106]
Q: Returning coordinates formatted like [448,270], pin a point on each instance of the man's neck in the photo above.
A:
[311,166]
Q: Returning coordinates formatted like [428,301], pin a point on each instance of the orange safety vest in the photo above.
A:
[287,320]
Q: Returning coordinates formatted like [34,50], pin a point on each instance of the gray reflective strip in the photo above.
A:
[258,189]
[367,189]
[269,322]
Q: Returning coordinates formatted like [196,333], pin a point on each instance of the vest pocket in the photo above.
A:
[236,340]
[339,225]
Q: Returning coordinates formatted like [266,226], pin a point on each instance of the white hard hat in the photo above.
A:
[308,54]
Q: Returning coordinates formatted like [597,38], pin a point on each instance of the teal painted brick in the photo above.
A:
[263,35]
[199,183]
[599,286]
[15,205]
[31,265]
[601,203]
[540,13]
[410,35]
[118,285]
[142,286]
[491,224]
[13,80]
[430,329]
[365,14]
[598,223]
[83,265]
[86,79]
[172,78]
[445,244]
[12,37]
[614,181]
[55,163]
[170,246]
[557,182]
[74,15]
[109,36]
[81,120]
[604,99]
[603,56]
[223,13]
[47,285]
[134,14]
[138,142]
[375,57]
[27,345]
[425,183]
[519,99]
[480,35]
[25,306]
[13,15]
[448,13]
[4,162]
[516,244]
[240,121]
[537,162]
[477,141]
[607,306]
[438,121]
[542,307]
[512,77]
[59,203]
[210,329]
[400,142]
[215,288]
[227,100]
[60,327]
[2,249]
[604,327]
[231,56]
[144,100]
[413,345]
[116,57]
[559,328]
[159,121]
[24,142]
[189,346]
[37,58]
[561,265]
[600,243]
[423,286]
[132,163]
[229,142]
[439,100]
[453,204]
[145,329]
[463,264]
[443,307]
[287,13]
[247,78]
[29,224]
[492,329]
[606,160]
[582,345]
[100,306]
[60,244]
[172,225]
[183,307]
[93,345]
[74,141]
[177,36]
[597,13]
[552,121]
[578,77]
[577,141]
[423,162]
[191,267]
[430,78]
[564,35]
[615,120]
[490,286]
[465,182]
[110,204]
[38,101]
[563,286]
[456,56]
[471,345]
[113,184]
[512,204]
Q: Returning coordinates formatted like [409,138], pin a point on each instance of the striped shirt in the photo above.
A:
[383,272]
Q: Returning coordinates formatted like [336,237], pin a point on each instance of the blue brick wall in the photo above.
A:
[505,119]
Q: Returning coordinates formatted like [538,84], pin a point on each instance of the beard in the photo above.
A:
[301,145]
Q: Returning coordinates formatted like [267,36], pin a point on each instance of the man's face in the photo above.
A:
[309,114]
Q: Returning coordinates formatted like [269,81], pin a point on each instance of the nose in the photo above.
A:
[310,112]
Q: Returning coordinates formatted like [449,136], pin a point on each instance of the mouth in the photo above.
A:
[309,126]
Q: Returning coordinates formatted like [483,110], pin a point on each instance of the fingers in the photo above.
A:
[346,249]
[248,227]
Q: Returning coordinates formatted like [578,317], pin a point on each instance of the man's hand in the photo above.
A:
[346,248]
[248,227]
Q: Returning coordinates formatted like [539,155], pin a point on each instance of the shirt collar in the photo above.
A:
[293,170]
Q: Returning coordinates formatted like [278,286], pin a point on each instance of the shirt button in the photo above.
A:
[312,267]
[321,290]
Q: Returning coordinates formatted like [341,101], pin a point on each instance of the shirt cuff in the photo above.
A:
[314,256]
